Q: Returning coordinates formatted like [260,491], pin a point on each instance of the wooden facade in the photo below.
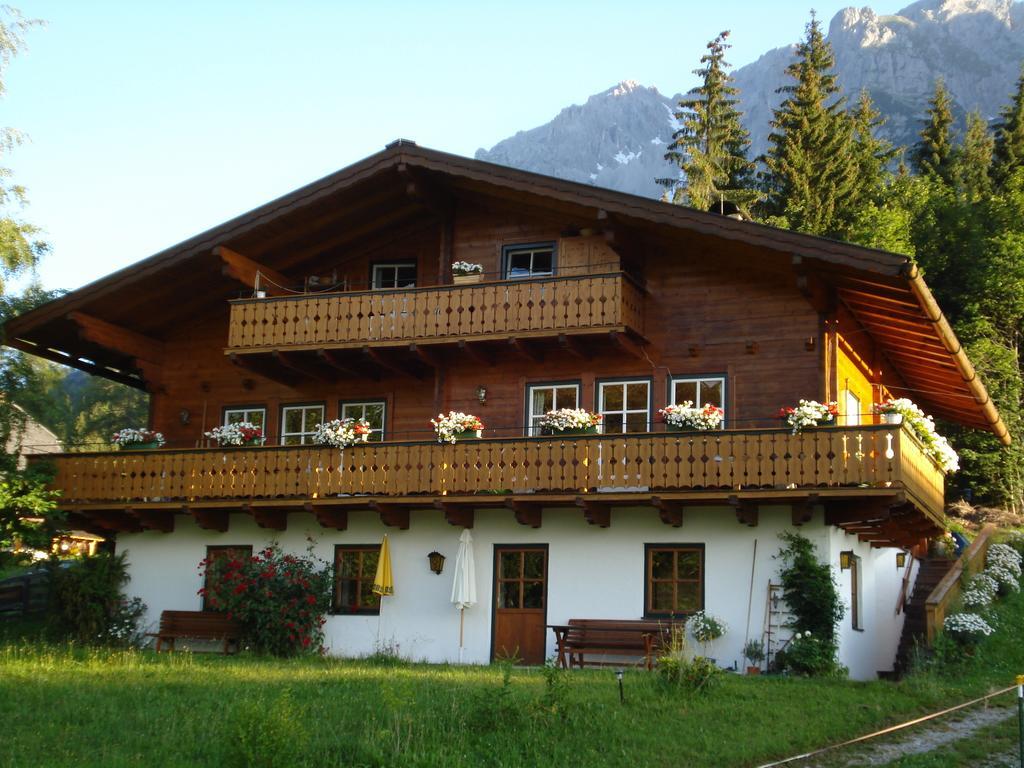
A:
[279,309]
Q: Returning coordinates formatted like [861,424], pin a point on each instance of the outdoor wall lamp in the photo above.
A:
[845,559]
[481,394]
[436,562]
[901,559]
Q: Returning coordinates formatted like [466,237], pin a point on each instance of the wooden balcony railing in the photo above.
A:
[451,312]
[852,458]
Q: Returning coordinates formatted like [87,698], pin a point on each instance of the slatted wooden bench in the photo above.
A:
[197,625]
[641,639]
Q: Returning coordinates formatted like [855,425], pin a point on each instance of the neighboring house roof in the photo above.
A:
[884,291]
[33,438]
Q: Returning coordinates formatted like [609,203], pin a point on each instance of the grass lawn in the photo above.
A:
[76,707]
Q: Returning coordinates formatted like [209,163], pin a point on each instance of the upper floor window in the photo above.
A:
[541,398]
[625,405]
[254,415]
[401,274]
[522,261]
[372,411]
[699,390]
[299,422]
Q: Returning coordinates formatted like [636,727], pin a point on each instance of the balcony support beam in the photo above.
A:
[424,355]
[268,518]
[117,520]
[335,517]
[459,515]
[803,511]
[331,360]
[525,351]
[670,512]
[209,519]
[626,344]
[249,272]
[747,512]
[392,515]
[572,346]
[264,368]
[154,519]
[114,337]
[474,352]
[375,357]
[527,513]
[595,512]
[304,368]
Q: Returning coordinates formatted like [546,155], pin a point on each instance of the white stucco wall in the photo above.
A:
[592,573]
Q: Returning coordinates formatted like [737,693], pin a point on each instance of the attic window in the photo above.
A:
[523,261]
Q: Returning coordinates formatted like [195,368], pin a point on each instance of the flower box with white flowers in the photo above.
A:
[683,417]
[467,272]
[237,435]
[570,421]
[457,426]
[810,413]
[342,433]
[904,411]
[130,439]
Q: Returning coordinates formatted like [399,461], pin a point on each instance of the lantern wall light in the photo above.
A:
[845,559]
[436,562]
[901,559]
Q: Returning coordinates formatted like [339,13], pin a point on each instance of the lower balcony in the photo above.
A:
[873,480]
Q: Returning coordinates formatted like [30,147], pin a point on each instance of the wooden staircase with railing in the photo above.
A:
[931,572]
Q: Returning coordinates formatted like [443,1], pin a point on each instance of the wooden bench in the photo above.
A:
[197,625]
[641,639]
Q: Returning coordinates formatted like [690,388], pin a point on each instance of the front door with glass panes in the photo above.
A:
[625,406]
[542,398]
[299,423]
[699,390]
[520,603]
[372,411]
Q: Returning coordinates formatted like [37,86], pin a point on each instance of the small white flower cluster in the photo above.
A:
[130,436]
[810,413]
[1006,556]
[449,428]
[239,433]
[981,591]
[968,626]
[802,635]
[1008,581]
[460,268]
[685,416]
[934,444]
[705,628]
[341,433]
[569,418]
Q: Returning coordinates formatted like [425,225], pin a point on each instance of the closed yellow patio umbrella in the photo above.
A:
[382,583]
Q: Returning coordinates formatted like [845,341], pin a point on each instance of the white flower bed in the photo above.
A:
[1005,556]
[685,416]
[451,427]
[239,433]
[129,436]
[341,433]
[1008,580]
[935,445]
[810,413]
[967,626]
[460,268]
[567,419]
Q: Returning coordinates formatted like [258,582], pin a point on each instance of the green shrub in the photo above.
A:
[677,669]
[808,655]
[279,598]
[88,605]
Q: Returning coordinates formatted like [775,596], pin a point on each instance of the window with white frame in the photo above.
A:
[542,398]
[522,261]
[299,422]
[395,275]
[372,411]
[699,390]
[625,405]
[255,416]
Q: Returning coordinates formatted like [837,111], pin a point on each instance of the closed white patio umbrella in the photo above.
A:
[464,586]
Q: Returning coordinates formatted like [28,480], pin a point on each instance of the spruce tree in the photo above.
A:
[871,153]
[811,171]
[1009,133]
[972,160]
[933,154]
[711,144]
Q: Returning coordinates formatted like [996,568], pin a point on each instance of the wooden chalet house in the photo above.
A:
[338,300]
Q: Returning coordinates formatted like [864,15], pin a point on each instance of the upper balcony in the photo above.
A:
[874,480]
[486,311]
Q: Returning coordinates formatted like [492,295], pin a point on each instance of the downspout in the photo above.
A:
[956,351]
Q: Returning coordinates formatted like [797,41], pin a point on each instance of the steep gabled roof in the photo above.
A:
[882,290]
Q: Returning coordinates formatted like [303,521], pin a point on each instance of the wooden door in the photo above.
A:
[520,602]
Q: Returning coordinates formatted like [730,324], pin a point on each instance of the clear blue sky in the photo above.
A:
[150,122]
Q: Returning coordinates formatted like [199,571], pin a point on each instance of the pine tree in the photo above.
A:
[811,170]
[711,144]
[871,153]
[1009,132]
[972,160]
[933,154]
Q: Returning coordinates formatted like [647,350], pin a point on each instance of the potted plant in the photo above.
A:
[457,426]
[130,439]
[237,435]
[891,411]
[467,272]
[570,421]
[342,433]
[810,413]
[706,628]
[932,443]
[683,417]
[753,652]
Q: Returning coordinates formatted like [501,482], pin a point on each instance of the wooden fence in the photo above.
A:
[947,591]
